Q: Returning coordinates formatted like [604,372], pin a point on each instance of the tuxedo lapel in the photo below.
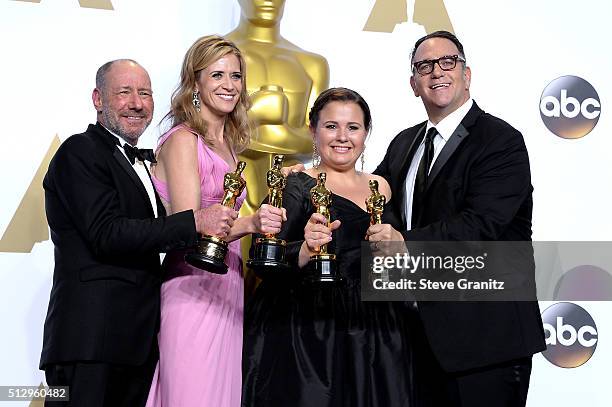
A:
[449,148]
[111,142]
[458,136]
[127,167]
[161,209]
[412,150]
[401,180]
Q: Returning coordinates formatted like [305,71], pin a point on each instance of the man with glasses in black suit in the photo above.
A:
[462,175]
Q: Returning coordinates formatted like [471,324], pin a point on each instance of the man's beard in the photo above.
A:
[112,123]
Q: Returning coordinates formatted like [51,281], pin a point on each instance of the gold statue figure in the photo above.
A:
[211,250]
[322,265]
[321,199]
[375,203]
[233,185]
[276,182]
[269,252]
[283,81]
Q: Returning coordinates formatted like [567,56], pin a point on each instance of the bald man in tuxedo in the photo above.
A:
[108,227]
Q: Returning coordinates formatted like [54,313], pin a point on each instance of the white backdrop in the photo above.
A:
[50,51]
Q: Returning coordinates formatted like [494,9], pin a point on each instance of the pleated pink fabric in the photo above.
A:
[200,338]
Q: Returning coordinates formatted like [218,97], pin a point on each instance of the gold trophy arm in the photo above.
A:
[270,106]
[275,132]
[281,139]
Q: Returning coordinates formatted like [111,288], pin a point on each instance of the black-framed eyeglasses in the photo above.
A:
[446,63]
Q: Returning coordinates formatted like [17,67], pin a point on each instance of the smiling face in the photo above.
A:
[442,92]
[340,134]
[262,12]
[125,103]
[220,85]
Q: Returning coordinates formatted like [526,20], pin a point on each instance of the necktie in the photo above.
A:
[420,183]
[144,154]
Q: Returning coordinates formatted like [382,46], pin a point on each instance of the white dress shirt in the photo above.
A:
[141,171]
[445,129]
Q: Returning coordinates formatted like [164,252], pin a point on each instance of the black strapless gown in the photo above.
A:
[313,345]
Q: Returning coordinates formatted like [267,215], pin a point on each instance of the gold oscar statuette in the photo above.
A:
[323,266]
[269,254]
[375,203]
[211,250]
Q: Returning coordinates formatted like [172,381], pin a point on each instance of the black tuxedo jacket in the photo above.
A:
[104,304]
[479,189]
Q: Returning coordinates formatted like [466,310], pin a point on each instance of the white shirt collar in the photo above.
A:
[447,126]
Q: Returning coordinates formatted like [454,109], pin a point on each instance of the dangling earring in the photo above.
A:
[196,100]
[316,158]
[362,158]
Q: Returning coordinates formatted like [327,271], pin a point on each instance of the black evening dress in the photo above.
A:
[320,345]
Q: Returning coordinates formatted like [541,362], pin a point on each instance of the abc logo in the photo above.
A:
[571,335]
[570,107]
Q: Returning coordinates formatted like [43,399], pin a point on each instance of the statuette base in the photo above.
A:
[323,268]
[209,255]
[269,257]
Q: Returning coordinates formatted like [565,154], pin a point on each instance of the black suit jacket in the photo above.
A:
[479,189]
[104,304]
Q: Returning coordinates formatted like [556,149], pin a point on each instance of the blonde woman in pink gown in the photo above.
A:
[200,337]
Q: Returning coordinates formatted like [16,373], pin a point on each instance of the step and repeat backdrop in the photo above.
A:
[543,66]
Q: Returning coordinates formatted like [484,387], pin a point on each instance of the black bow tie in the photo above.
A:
[144,154]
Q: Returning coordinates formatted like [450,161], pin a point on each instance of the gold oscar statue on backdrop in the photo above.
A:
[387,14]
[211,250]
[283,81]
[28,225]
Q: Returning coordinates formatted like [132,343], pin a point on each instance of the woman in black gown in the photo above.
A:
[320,345]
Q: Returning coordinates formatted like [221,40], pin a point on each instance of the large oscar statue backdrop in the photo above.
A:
[283,81]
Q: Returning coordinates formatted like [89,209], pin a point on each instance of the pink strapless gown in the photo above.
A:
[200,337]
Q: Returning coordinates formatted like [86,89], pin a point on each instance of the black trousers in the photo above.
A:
[501,385]
[95,384]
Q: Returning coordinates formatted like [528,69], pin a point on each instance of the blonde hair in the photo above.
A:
[204,52]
